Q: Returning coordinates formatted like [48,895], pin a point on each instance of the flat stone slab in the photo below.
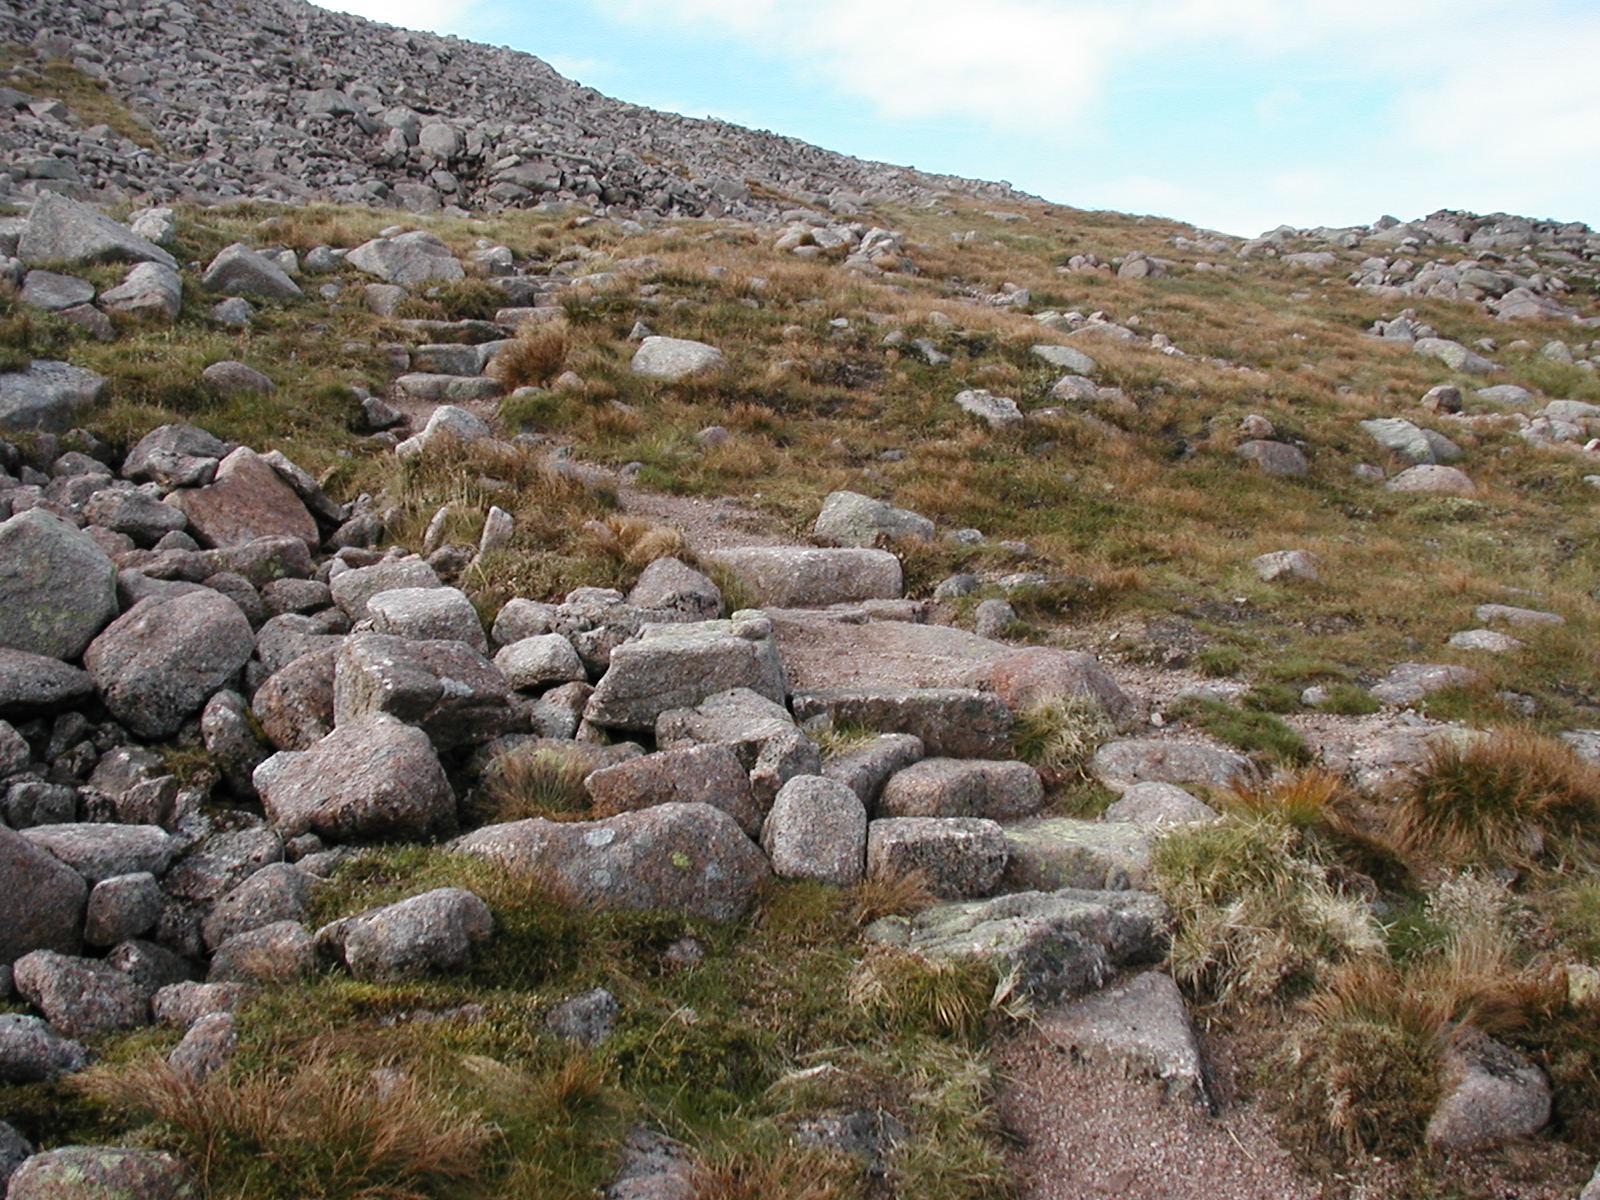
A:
[1049,853]
[1119,765]
[1140,1027]
[1407,683]
[248,500]
[952,722]
[679,666]
[963,787]
[807,577]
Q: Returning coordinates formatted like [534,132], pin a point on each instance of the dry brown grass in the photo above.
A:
[901,896]
[636,541]
[542,783]
[791,1172]
[535,357]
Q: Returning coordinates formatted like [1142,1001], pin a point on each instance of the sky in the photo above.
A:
[1235,115]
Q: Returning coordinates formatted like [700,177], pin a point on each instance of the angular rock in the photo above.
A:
[176,456]
[1051,853]
[851,519]
[678,666]
[407,259]
[226,727]
[1047,945]
[1490,641]
[60,230]
[240,271]
[997,412]
[372,777]
[1141,1028]
[803,577]
[1034,674]
[1120,765]
[446,688]
[295,704]
[668,583]
[1278,459]
[429,613]
[32,1052]
[963,787]
[150,289]
[952,722]
[134,512]
[157,664]
[1514,616]
[183,1004]
[1409,443]
[47,290]
[587,1019]
[102,1173]
[248,501]
[14,1151]
[817,829]
[122,907]
[1455,356]
[1288,565]
[273,954]
[354,589]
[448,427]
[867,768]
[956,857]
[222,862]
[277,892]
[79,996]
[675,359]
[537,662]
[57,587]
[32,685]
[759,731]
[423,935]
[1407,683]
[685,858]
[699,774]
[99,851]
[1067,359]
[205,1049]
[41,899]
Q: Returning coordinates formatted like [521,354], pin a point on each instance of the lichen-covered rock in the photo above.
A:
[428,614]
[100,851]
[32,685]
[1157,804]
[230,739]
[758,730]
[669,583]
[807,577]
[57,586]
[372,777]
[277,892]
[80,996]
[1407,683]
[280,952]
[239,270]
[354,589]
[867,768]
[957,857]
[1035,674]
[122,907]
[1119,765]
[538,662]
[407,259]
[413,938]
[963,787]
[685,858]
[41,900]
[176,456]
[1491,1094]
[206,1048]
[817,829]
[222,862]
[295,703]
[678,666]
[157,664]
[1049,853]
[697,774]
[102,1173]
[61,230]
[851,519]
[673,359]
[182,1004]
[951,722]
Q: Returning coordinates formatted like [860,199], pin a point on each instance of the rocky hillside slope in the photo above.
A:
[277,99]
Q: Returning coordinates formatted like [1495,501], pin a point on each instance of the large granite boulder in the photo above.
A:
[238,270]
[81,996]
[247,501]
[61,230]
[759,731]
[446,688]
[57,587]
[407,259]
[412,938]
[697,774]
[41,900]
[958,787]
[851,519]
[1119,765]
[952,722]
[956,857]
[102,1173]
[157,664]
[1048,853]
[679,665]
[674,359]
[684,858]
[806,577]
[817,829]
[46,397]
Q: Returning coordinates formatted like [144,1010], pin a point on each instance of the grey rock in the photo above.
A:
[956,787]
[652,1166]
[61,230]
[221,862]
[277,892]
[865,769]
[951,722]
[429,613]
[46,397]
[1409,443]
[448,426]
[57,587]
[158,225]
[1525,618]
[247,501]
[586,1019]
[1067,358]
[295,704]
[698,774]
[1047,945]
[28,802]
[1279,459]
[1034,674]
[32,684]
[235,311]
[816,829]
[687,858]
[957,857]
[41,899]
[668,583]
[79,996]
[423,935]
[157,664]
[1141,1028]
[997,412]
[134,512]
[1050,853]
[98,851]
[14,1149]
[205,1049]
[759,731]
[407,259]
[1158,804]
[176,456]
[354,589]
[678,666]
[1505,395]
[150,289]
[372,777]
[102,1173]
[122,907]
[675,359]
[1491,1094]
[183,1004]
[446,688]
[537,662]
[1280,565]
[1407,683]
[804,577]
[240,271]
[851,519]
[32,1052]
[150,966]
[230,740]
[281,952]
[1455,356]
[234,379]
[1490,641]
[48,290]
[1121,764]
[1434,480]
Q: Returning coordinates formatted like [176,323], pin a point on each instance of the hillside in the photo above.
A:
[758,674]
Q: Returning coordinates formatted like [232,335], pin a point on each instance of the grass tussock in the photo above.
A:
[533,359]
[1059,735]
[635,541]
[317,1127]
[908,992]
[1498,800]
[545,783]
